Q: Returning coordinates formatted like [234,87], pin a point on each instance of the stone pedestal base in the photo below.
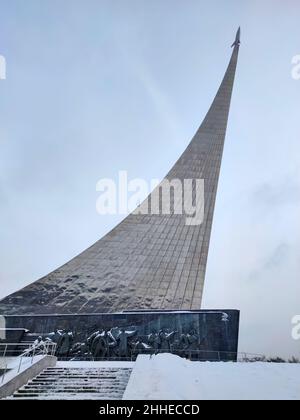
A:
[198,335]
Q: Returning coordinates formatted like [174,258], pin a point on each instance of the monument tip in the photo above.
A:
[237,41]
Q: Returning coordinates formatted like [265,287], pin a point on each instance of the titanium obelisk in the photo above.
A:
[153,261]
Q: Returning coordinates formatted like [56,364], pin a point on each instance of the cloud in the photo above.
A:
[271,263]
[277,195]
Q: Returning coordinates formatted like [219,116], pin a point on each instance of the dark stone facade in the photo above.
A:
[12,336]
[200,335]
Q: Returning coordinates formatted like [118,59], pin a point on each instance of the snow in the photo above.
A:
[14,362]
[93,365]
[166,376]
[8,362]
[14,367]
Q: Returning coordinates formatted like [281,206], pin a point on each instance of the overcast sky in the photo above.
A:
[98,86]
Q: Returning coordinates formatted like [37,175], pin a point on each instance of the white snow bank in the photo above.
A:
[166,376]
[14,362]
[15,368]
[87,364]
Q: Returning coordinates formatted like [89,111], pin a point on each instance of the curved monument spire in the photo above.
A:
[153,261]
[237,41]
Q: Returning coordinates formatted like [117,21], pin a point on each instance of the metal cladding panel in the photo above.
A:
[147,261]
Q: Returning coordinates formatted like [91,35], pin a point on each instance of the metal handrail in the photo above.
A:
[4,371]
[193,355]
[219,355]
[32,349]
[214,355]
[12,347]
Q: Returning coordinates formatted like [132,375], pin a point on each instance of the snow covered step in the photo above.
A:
[74,396]
[73,381]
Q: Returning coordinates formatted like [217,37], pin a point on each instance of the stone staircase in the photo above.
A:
[69,383]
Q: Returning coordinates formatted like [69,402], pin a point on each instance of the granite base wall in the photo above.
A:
[217,330]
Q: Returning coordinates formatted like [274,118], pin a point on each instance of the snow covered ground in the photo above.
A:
[94,365]
[166,376]
[14,367]
[14,362]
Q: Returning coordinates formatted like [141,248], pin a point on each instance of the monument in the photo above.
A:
[140,287]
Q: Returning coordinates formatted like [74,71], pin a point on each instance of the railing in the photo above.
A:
[23,351]
[193,355]
[204,355]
